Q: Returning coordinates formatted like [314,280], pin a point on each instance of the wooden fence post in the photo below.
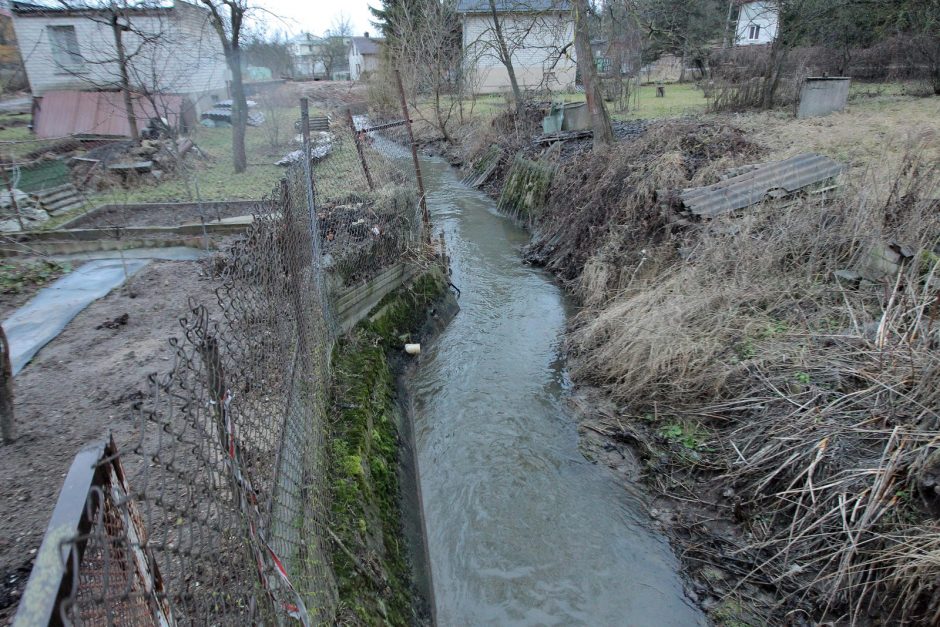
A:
[425,214]
[7,426]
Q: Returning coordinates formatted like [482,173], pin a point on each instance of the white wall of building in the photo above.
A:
[757,23]
[305,57]
[187,60]
[360,63]
[535,41]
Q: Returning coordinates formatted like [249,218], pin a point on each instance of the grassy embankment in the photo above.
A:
[787,418]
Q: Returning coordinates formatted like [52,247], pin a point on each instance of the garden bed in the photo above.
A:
[160,214]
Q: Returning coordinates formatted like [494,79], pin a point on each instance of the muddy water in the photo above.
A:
[522,529]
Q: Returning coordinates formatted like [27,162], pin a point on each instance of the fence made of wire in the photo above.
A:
[218,512]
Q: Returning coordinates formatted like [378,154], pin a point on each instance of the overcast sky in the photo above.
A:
[316,16]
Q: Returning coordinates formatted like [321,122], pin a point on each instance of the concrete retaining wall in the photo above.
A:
[822,96]
[353,304]
[68,241]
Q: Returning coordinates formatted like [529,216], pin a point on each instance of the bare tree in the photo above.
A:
[136,51]
[227,17]
[333,51]
[429,58]
[505,56]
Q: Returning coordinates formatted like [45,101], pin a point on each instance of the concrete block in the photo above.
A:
[821,96]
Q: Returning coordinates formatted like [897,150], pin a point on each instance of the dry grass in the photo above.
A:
[603,220]
[872,135]
[820,401]
[814,403]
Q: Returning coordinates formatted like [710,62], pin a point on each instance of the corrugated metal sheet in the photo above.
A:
[742,191]
[62,113]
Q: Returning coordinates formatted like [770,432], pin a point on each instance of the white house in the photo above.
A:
[364,55]
[172,49]
[305,55]
[537,34]
[757,23]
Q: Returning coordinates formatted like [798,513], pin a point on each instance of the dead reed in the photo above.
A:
[820,397]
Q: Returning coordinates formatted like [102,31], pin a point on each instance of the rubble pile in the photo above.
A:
[126,163]
[220,116]
[363,233]
[321,145]
[29,212]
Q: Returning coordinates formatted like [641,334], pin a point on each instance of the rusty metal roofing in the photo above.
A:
[767,180]
[62,113]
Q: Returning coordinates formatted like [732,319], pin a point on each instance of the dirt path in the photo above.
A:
[79,386]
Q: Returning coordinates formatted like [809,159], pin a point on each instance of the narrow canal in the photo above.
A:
[522,529]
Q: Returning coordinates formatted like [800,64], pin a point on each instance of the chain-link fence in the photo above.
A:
[217,513]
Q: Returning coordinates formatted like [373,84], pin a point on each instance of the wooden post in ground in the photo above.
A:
[7,426]
[362,155]
[425,214]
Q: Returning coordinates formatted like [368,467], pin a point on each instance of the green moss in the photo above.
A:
[375,588]
[526,188]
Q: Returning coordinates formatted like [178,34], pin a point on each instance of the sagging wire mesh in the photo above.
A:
[228,472]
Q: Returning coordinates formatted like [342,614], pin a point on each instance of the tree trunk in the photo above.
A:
[600,120]
[730,31]
[239,110]
[778,55]
[506,58]
[117,29]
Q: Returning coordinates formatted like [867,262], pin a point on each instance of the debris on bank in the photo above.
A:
[321,146]
[119,164]
[749,185]
[30,213]
[221,115]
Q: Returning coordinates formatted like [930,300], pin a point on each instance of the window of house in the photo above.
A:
[753,32]
[65,51]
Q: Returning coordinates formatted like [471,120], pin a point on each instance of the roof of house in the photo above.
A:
[32,9]
[306,38]
[367,45]
[741,3]
[513,6]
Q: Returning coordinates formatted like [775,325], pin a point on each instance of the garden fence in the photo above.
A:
[217,512]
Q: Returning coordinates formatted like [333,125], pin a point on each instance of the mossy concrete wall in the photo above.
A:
[526,188]
[374,489]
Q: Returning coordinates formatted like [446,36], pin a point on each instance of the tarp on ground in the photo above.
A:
[63,113]
[43,318]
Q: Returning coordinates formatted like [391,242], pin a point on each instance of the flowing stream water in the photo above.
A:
[521,528]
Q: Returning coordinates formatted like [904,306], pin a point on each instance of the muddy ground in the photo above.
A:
[79,386]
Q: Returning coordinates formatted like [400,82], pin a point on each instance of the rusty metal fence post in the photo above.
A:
[425,214]
[362,156]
